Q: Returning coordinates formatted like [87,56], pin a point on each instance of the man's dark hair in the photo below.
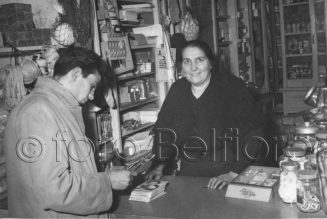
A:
[90,63]
[73,57]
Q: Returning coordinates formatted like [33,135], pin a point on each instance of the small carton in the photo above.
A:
[254,183]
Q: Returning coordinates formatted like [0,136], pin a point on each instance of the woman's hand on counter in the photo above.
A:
[221,181]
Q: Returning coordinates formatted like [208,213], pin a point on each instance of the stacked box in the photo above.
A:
[17,26]
[16,17]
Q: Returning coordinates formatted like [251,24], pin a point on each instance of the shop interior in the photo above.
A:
[278,48]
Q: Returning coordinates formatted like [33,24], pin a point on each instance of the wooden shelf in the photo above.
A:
[142,127]
[224,43]
[4,51]
[135,76]
[295,4]
[223,18]
[298,55]
[144,46]
[135,1]
[297,33]
[127,106]
[242,55]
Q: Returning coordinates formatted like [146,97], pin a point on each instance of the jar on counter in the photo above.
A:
[287,182]
[308,191]
[321,137]
[298,155]
[312,163]
[306,133]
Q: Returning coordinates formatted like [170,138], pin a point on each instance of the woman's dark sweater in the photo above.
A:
[226,108]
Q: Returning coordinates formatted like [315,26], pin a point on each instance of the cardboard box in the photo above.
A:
[254,183]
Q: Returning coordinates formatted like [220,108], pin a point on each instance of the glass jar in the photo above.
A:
[295,154]
[305,135]
[308,191]
[322,167]
[321,137]
[287,182]
[311,164]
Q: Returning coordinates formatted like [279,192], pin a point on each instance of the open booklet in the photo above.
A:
[148,191]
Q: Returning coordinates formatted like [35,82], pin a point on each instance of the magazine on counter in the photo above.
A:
[148,191]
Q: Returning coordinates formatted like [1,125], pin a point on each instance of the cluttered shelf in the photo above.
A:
[140,128]
[143,46]
[127,106]
[5,51]
[298,3]
[135,1]
[135,76]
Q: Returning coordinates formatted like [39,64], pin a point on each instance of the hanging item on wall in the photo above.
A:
[76,13]
[14,90]
[64,35]
[174,11]
[29,70]
[189,26]
[51,56]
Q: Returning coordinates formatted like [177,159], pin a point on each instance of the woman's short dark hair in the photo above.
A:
[202,46]
[219,64]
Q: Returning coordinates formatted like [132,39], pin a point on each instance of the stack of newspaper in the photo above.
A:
[148,191]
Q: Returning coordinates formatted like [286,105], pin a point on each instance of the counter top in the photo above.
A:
[186,198]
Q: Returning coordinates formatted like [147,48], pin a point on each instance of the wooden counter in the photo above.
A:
[186,198]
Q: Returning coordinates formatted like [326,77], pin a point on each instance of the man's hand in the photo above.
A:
[155,174]
[120,178]
[221,180]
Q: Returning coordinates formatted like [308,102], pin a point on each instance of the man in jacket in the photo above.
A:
[51,170]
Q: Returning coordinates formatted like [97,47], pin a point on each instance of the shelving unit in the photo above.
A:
[124,107]
[7,51]
[138,129]
[303,39]
[137,89]
[232,42]
[135,76]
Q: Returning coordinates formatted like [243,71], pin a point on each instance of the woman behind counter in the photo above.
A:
[199,109]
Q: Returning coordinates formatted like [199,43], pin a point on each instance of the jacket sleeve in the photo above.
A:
[51,178]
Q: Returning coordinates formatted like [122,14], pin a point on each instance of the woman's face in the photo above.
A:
[196,66]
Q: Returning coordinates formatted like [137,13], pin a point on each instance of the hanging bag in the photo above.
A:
[189,26]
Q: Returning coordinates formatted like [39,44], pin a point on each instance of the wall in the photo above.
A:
[44,15]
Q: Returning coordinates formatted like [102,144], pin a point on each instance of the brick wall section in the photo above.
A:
[16,17]
[17,26]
